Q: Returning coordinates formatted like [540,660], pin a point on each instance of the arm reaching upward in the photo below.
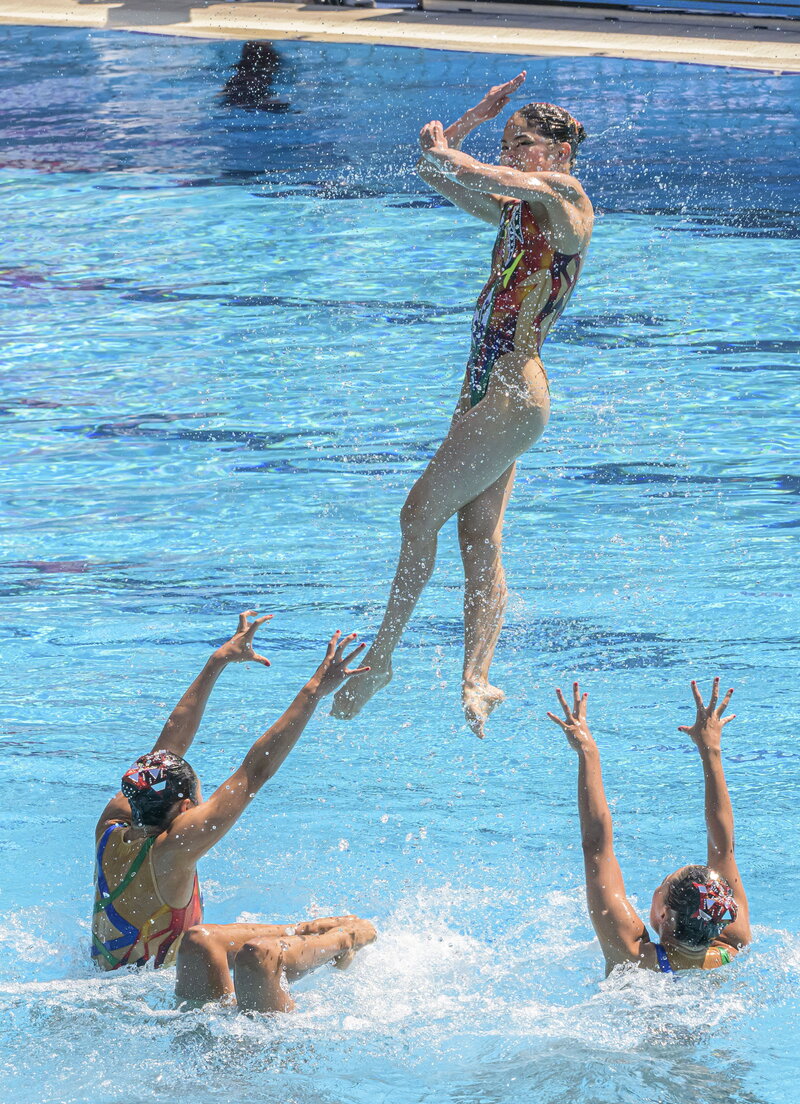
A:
[195,831]
[482,206]
[184,720]
[706,733]
[621,932]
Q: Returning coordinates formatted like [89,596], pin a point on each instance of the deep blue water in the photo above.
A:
[232,339]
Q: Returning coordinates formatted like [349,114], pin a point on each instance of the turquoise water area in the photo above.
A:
[232,339]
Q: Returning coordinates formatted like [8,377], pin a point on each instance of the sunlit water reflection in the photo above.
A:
[232,340]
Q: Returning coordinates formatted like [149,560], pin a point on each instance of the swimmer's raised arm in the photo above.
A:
[485,207]
[567,205]
[621,932]
[192,833]
[706,733]
[184,720]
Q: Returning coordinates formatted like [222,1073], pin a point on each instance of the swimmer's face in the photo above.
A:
[658,906]
[526,150]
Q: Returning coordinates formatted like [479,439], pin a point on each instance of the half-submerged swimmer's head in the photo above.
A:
[692,906]
[157,786]
[541,137]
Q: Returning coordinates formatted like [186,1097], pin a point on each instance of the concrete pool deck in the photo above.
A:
[544,31]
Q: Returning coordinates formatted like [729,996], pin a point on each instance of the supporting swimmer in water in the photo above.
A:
[700,912]
[545,222]
[153,832]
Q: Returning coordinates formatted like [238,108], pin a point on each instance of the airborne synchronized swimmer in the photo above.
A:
[154,830]
[544,221]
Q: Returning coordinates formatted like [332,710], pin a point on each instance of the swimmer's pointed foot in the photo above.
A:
[478,700]
[351,698]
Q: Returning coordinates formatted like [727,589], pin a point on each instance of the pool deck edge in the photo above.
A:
[539,31]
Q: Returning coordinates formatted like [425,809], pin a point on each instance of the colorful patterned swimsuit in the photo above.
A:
[715,956]
[527,290]
[125,930]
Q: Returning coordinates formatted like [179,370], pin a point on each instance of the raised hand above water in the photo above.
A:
[706,732]
[239,649]
[334,670]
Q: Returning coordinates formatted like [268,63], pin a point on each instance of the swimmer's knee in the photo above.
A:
[198,941]
[415,520]
[264,955]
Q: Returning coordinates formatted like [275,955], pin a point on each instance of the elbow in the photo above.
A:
[597,839]
[593,845]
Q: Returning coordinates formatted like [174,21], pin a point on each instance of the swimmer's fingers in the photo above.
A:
[259,621]
[725,720]
[724,703]
[561,724]
[345,640]
[579,700]
[562,702]
[330,651]
[353,654]
[356,671]
[714,695]
[698,697]
[243,623]
[256,658]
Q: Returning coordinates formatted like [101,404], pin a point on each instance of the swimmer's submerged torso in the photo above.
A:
[131,922]
[528,287]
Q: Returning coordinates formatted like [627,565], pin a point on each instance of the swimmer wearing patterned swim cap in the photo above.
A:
[155,784]
[153,832]
[699,913]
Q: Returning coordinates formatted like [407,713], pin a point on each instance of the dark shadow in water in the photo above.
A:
[626,475]
[250,85]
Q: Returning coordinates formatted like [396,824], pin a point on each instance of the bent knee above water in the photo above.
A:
[264,955]
[199,940]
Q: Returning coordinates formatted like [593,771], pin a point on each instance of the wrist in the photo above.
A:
[217,660]
[710,753]
[588,749]
[312,691]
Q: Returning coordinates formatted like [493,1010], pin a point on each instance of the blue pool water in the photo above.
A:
[232,338]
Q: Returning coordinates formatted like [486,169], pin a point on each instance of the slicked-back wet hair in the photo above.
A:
[555,123]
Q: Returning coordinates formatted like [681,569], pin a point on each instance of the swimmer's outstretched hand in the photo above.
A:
[334,668]
[706,731]
[239,649]
[495,100]
[575,727]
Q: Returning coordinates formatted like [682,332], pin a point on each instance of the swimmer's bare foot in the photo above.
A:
[351,698]
[478,700]
[362,933]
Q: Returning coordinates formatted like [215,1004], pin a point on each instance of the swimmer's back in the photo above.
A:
[131,922]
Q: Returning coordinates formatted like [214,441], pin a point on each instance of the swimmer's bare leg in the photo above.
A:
[263,968]
[480,531]
[206,954]
[481,445]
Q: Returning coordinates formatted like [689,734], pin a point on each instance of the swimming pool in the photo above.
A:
[232,339]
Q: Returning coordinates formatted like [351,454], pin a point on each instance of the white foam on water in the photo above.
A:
[428,1012]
